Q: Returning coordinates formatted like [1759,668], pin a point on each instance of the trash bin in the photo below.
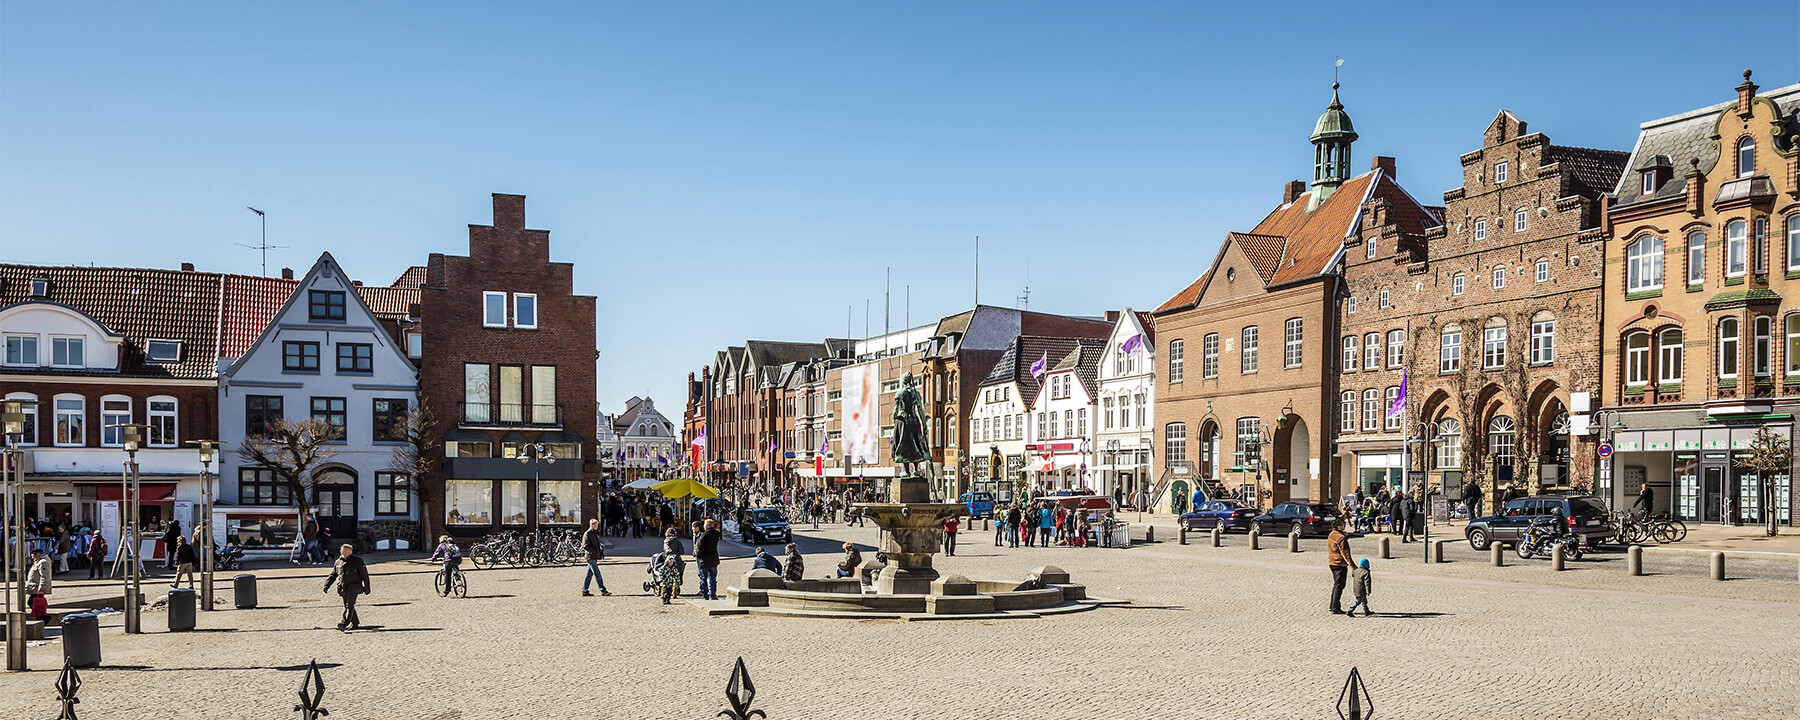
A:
[81,639]
[243,588]
[182,603]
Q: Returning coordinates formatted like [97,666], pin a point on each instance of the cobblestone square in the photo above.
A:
[1211,632]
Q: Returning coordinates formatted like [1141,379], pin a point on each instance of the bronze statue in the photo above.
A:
[910,447]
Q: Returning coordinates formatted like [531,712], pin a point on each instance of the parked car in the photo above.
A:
[766,525]
[1227,513]
[1308,518]
[980,503]
[1585,515]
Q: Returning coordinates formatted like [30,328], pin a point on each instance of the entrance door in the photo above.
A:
[1712,493]
[334,501]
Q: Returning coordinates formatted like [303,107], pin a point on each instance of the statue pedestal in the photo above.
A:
[915,532]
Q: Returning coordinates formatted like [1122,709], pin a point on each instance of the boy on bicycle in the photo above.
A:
[451,555]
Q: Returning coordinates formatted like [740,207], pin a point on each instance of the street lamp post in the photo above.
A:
[12,418]
[1427,439]
[208,449]
[134,434]
[536,455]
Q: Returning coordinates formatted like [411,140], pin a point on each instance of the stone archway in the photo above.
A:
[1299,462]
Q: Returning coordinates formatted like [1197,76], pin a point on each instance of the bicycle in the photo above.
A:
[453,576]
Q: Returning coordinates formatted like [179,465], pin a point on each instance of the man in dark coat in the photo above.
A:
[352,579]
[1472,498]
[1406,515]
[706,557]
[1646,500]
[595,547]
[169,537]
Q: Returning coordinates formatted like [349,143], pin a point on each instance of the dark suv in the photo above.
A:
[1585,515]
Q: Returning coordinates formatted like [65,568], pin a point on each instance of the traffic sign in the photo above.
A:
[1605,450]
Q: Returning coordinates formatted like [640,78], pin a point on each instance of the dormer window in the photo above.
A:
[162,351]
[40,287]
[1649,183]
[67,352]
[1746,157]
[21,350]
[1499,172]
[325,305]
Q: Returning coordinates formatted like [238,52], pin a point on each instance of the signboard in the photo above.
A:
[1605,450]
[1440,508]
[743,469]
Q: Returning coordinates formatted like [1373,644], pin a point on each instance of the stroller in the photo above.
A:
[665,576]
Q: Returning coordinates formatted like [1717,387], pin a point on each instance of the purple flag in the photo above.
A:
[772,447]
[1132,343]
[1399,406]
[1042,364]
[825,447]
[621,455]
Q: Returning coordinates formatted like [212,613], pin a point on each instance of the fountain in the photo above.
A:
[912,532]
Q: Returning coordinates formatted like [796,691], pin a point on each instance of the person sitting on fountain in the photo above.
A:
[852,560]
[796,567]
[765,561]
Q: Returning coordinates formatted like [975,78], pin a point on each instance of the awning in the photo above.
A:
[643,484]
[151,493]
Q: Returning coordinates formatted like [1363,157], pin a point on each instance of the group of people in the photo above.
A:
[65,547]
[1052,525]
[632,513]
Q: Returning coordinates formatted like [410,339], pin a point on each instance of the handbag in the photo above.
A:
[40,606]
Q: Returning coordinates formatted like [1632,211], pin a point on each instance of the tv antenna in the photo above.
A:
[263,246]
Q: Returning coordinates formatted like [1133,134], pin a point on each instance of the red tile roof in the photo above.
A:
[412,278]
[139,303]
[251,302]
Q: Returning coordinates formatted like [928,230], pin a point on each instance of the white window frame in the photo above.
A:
[1728,358]
[1247,350]
[1696,257]
[1543,341]
[1209,355]
[155,418]
[1792,321]
[1637,359]
[150,357]
[1737,249]
[1371,409]
[56,415]
[1350,305]
[30,438]
[1293,342]
[1493,348]
[1372,351]
[1746,157]
[1347,411]
[77,342]
[1176,371]
[1390,421]
[1386,300]
[1541,271]
[1500,277]
[1449,448]
[110,418]
[1669,355]
[1369,248]
[518,315]
[1762,358]
[1352,352]
[1457,284]
[1500,173]
[1480,230]
[1643,264]
[37,349]
[1396,348]
[1450,350]
[1647,184]
[1793,241]
[1521,220]
[487,309]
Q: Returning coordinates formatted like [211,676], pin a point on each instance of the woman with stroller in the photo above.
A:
[668,567]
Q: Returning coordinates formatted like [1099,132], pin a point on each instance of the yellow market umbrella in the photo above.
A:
[682,487]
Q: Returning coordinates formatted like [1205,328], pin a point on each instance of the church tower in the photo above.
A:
[1331,140]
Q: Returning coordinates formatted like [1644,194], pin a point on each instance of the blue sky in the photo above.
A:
[733,170]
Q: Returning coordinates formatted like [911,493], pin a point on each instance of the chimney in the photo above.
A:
[1384,164]
[1696,202]
[1292,191]
[355,283]
[187,267]
[509,212]
[1112,316]
[287,273]
[1746,93]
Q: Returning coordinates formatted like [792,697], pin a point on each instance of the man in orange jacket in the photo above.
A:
[1339,562]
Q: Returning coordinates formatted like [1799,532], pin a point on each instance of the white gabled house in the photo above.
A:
[324,355]
[1126,414]
[1061,443]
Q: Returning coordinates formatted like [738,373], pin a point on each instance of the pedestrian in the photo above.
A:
[185,558]
[352,579]
[765,561]
[37,585]
[796,567]
[1338,559]
[706,559]
[950,527]
[169,537]
[1012,525]
[999,529]
[1082,530]
[96,554]
[1107,526]
[1646,500]
[1046,524]
[1472,499]
[634,514]
[1407,515]
[594,546]
[852,560]
[1360,586]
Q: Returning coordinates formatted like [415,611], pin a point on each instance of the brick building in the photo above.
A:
[1238,420]
[1494,314]
[1702,324]
[509,363]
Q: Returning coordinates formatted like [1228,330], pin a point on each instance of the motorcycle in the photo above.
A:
[1544,536]
[230,557]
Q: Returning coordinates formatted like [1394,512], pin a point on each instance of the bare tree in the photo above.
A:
[292,450]
[417,460]
[1769,456]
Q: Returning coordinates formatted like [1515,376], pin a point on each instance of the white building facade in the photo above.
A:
[1126,413]
[1061,423]
[324,355]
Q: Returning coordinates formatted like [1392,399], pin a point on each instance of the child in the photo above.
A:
[1360,585]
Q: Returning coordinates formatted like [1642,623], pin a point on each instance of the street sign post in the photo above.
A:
[1605,450]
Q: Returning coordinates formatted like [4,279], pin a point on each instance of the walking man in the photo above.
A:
[1409,511]
[950,527]
[595,546]
[1012,526]
[706,558]
[1472,498]
[352,579]
[1646,499]
[1338,560]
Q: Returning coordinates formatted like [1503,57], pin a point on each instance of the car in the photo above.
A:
[980,503]
[766,525]
[1586,516]
[1224,513]
[1308,518]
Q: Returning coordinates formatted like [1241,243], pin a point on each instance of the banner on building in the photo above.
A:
[862,388]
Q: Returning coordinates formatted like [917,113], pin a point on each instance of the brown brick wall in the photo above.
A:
[196,407]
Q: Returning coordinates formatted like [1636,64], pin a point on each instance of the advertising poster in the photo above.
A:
[861,391]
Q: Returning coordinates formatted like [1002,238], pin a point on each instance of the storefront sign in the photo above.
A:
[1629,446]
[1661,445]
[1687,444]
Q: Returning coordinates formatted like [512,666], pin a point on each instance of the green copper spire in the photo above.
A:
[1331,139]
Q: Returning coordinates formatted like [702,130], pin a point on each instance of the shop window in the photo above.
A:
[515,502]
[1669,356]
[468,502]
[559,502]
[260,531]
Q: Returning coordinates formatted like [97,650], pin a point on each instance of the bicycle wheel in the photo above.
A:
[461,586]
[1663,532]
[1679,528]
[437,582]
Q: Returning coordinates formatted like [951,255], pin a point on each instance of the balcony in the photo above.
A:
[511,469]
[511,415]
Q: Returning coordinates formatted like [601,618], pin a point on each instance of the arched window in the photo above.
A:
[1793,344]
[1371,409]
[1396,344]
[1450,349]
[1668,356]
[1543,338]
[1637,359]
[1449,449]
[1500,439]
[1351,352]
[1765,331]
[1372,351]
[1643,267]
[1746,157]
[1347,411]
[1736,248]
[1728,348]
[1696,257]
